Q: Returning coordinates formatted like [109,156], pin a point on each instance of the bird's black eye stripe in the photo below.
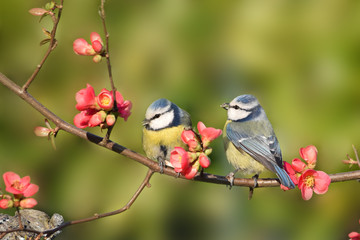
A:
[237,107]
[156,116]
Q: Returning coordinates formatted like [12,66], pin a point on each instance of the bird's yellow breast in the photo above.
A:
[239,158]
[167,138]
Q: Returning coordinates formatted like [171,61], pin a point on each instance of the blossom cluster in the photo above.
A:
[188,162]
[99,110]
[96,48]
[303,175]
[21,188]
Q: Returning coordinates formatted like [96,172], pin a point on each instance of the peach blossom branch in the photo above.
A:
[52,46]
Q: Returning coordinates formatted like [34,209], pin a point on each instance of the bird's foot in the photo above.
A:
[230,177]
[251,189]
[162,164]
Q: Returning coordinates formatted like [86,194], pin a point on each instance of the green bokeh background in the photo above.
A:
[300,58]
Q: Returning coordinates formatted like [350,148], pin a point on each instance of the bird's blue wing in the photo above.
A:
[258,140]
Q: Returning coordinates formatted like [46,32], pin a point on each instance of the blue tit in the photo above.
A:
[164,122]
[250,142]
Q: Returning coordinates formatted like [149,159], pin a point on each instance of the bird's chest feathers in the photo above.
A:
[160,143]
[167,136]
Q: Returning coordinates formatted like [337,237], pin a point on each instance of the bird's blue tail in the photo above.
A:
[284,177]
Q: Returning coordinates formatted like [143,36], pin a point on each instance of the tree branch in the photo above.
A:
[152,165]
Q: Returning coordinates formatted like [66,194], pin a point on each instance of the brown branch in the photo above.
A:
[52,46]
[205,177]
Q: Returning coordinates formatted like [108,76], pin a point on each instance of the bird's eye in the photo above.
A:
[236,107]
[156,116]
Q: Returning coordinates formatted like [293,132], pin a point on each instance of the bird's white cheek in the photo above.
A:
[237,114]
[163,121]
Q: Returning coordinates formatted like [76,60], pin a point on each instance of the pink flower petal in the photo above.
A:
[81,47]
[298,165]
[10,178]
[179,159]
[322,182]
[204,160]
[94,36]
[31,190]
[190,172]
[85,98]
[306,193]
[309,154]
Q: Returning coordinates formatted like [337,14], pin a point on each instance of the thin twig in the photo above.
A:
[107,56]
[356,155]
[127,206]
[52,46]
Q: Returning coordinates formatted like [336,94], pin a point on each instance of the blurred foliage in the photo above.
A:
[300,58]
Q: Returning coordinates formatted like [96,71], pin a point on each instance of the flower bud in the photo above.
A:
[37,11]
[81,47]
[110,119]
[6,203]
[97,58]
[97,119]
[28,203]
[204,161]
[42,131]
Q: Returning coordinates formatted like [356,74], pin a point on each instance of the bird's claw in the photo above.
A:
[230,177]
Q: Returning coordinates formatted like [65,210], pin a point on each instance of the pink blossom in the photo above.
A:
[292,173]
[207,134]
[298,165]
[19,186]
[95,38]
[6,203]
[28,203]
[81,120]
[124,107]
[179,159]
[311,180]
[309,154]
[105,100]
[110,119]
[189,138]
[85,98]
[97,119]
[82,47]
[191,171]
[354,236]
[204,160]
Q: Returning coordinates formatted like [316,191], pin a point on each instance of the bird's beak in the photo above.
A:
[145,122]
[225,106]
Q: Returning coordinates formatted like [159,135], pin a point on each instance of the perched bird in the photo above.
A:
[250,142]
[164,122]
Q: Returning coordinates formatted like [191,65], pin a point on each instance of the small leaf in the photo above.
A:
[50,5]
[45,41]
[38,11]
[46,32]
[52,139]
